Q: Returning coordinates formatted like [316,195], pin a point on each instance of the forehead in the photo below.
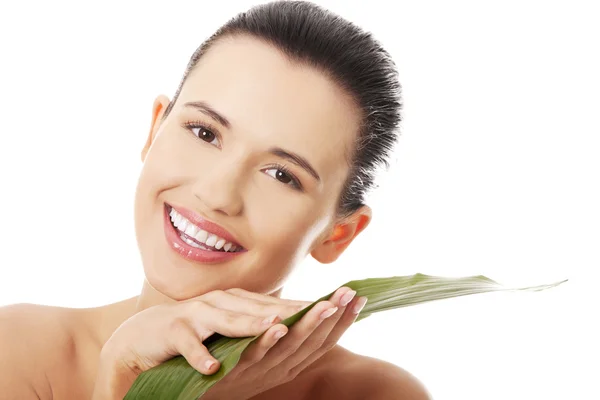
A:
[271,100]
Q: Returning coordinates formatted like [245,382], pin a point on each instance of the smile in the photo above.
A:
[197,239]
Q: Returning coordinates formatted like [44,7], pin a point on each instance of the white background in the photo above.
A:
[496,173]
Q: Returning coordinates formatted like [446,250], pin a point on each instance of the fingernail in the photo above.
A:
[347,298]
[360,303]
[209,364]
[328,313]
[337,293]
[270,320]
[279,334]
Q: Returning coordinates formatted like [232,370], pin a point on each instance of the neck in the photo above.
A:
[150,297]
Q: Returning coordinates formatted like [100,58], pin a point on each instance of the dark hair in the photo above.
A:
[309,34]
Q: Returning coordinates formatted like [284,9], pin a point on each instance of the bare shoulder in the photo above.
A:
[34,340]
[358,377]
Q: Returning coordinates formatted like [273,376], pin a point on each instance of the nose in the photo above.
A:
[220,189]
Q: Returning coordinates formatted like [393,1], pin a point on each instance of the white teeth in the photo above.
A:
[190,242]
[191,230]
[212,240]
[201,236]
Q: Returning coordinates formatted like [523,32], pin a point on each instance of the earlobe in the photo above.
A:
[158,109]
[342,235]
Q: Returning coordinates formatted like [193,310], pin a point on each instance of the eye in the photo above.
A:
[281,173]
[203,132]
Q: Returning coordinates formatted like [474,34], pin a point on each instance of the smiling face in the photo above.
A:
[254,152]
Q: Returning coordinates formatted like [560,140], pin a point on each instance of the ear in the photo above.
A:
[341,235]
[158,109]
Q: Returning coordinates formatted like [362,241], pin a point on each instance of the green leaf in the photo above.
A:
[177,380]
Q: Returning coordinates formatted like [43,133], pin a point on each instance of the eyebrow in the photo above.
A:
[208,110]
[296,159]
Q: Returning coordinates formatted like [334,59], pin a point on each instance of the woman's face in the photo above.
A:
[258,146]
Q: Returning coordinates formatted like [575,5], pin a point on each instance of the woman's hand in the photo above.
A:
[159,333]
[269,361]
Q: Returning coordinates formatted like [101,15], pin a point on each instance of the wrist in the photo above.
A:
[113,379]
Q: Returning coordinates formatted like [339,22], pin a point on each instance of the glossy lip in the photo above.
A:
[202,223]
[193,253]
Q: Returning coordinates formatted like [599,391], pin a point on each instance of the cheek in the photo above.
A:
[282,222]
[168,164]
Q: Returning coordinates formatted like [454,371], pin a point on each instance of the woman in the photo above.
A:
[262,157]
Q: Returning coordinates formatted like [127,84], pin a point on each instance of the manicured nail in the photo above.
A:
[347,298]
[270,320]
[328,313]
[279,334]
[360,304]
[209,364]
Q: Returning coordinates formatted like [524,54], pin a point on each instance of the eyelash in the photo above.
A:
[295,182]
[203,126]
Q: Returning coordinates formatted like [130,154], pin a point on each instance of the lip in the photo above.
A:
[193,253]
[205,224]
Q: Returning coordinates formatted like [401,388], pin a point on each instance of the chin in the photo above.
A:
[170,286]
[178,279]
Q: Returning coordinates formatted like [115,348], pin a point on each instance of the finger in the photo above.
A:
[185,341]
[297,334]
[206,320]
[246,305]
[266,298]
[259,348]
[319,341]
[262,351]
[346,320]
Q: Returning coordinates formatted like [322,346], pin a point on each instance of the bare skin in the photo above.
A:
[72,341]
[278,211]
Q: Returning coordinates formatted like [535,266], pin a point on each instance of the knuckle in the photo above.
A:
[196,306]
[328,344]
[234,291]
[291,375]
[257,323]
[213,294]
[249,359]
[227,318]
[289,350]
[313,345]
[256,355]
[230,318]
[178,326]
